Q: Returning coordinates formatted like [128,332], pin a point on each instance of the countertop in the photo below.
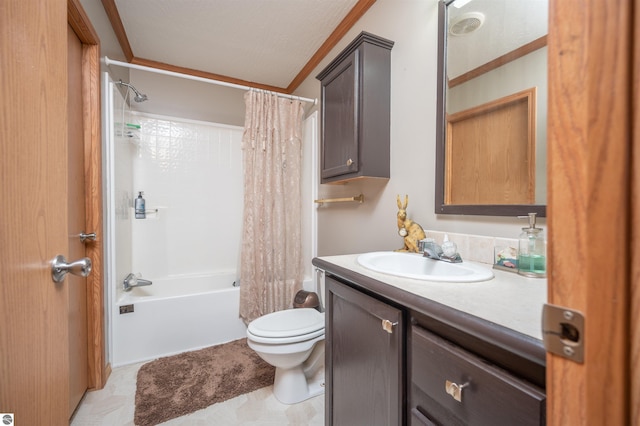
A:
[508,300]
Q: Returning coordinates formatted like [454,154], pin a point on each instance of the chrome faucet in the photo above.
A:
[448,252]
[131,281]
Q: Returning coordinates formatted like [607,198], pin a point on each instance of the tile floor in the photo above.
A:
[114,405]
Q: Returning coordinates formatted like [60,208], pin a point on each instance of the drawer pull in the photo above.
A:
[349,162]
[388,325]
[454,389]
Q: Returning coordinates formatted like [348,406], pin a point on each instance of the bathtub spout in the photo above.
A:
[133,281]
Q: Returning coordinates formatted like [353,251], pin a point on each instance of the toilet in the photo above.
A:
[292,341]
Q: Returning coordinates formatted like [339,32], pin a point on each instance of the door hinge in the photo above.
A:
[563,332]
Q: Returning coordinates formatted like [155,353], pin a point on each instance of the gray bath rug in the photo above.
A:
[181,384]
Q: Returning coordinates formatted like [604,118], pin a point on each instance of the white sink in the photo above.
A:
[411,265]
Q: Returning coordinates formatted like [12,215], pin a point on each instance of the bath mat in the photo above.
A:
[181,384]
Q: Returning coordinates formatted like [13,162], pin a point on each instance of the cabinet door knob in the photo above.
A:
[454,389]
[388,325]
[349,162]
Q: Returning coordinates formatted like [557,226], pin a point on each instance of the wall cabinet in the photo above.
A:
[355,96]
[389,362]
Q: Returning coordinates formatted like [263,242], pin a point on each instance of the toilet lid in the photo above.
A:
[287,323]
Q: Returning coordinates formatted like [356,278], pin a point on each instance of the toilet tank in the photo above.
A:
[306,299]
[310,299]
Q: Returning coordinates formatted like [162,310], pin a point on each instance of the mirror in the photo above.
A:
[492,107]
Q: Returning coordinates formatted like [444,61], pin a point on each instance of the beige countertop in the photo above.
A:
[509,300]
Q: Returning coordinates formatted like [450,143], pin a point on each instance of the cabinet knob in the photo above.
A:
[454,389]
[349,162]
[388,325]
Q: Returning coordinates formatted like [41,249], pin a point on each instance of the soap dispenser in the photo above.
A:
[140,207]
[532,250]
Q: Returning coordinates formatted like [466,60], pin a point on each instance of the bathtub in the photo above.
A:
[175,315]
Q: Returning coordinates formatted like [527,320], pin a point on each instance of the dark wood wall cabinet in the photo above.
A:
[396,359]
[356,101]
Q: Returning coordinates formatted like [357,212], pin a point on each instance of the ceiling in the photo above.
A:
[506,26]
[272,44]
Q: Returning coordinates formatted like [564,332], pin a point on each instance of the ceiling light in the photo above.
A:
[460,3]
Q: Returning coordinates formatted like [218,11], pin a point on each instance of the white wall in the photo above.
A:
[354,228]
[123,154]
[194,100]
[117,176]
[351,228]
[191,173]
[178,97]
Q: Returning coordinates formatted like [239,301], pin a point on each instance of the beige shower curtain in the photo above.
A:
[271,264]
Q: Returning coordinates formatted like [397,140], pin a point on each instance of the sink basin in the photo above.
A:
[411,265]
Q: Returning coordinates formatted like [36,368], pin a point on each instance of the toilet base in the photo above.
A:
[297,384]
[291,386]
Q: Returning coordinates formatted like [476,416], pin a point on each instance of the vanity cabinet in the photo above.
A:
[356,95]
[394,358]
[364,349]
[451,386]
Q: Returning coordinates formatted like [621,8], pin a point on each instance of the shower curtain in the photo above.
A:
[271,263]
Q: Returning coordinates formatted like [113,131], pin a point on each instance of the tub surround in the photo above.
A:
[176,315]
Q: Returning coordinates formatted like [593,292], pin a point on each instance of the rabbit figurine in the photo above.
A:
[408,229]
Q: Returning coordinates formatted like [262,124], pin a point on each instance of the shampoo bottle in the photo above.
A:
[532,250]
[140,207]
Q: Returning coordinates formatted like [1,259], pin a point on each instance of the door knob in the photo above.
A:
[60,267]
[87,237]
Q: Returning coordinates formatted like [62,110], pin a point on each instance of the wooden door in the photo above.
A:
[364,362]
[490,152]
[77,286]
[34,312]
[34,336]
[634,243]
[589,151]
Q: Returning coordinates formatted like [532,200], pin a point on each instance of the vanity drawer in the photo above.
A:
[488,395]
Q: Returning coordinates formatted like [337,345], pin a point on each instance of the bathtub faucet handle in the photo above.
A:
[132,280]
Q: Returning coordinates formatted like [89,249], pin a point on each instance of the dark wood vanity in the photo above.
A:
[395,358]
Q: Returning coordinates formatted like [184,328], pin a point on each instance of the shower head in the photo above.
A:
[140,97]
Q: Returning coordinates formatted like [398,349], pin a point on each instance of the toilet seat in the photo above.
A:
[288,326]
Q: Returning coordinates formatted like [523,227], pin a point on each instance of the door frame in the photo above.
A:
[99,368]
[634,300]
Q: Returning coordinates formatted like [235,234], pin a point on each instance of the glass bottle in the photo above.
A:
[532,250]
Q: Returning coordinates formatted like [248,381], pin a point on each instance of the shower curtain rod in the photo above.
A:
[108,61]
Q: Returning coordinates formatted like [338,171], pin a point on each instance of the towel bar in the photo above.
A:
[358,198]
